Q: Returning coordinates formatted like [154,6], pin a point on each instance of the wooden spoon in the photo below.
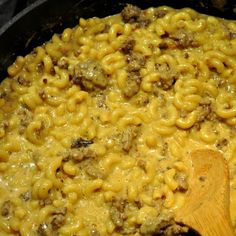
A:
[206,208]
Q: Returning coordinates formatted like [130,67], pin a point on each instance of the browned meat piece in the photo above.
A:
[119,204]
[135,61]
[127,46]
[163,45]
[162,226]
[89,75]
[213,117]
[63,63]
[25,117]
[168,77]
[183,39]
[143,21]
[175,229]
[205,113]
[59,218]
[219,81]
[26,196]
[163,222]
[60,211]
[181,179]
[45,202]
[142,99]
[80,142]
[132,84]
[92,170]
[166,84]
[163,69]
[159,13]
[43,230]
[45,81]
[128,137]
[79,155]
[222,143]
[117,213]
[22,81]
[6,208]
[52,71]
[131,14]
[155,226]
[93,231]
[116,217]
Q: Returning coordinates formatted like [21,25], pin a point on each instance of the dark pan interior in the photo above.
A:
[36,24]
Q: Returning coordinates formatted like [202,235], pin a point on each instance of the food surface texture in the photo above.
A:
[97,124]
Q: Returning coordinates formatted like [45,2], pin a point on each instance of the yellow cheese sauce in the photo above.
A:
[97,125]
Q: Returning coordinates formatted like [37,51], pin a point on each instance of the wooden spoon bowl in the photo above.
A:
[206,208]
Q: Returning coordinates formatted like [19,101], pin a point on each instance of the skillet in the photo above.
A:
[37,23]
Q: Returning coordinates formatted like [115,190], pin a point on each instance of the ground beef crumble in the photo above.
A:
[162,226]
[127,46]
[92,169]
[89,75]
[78,155]
[22,81]
[134,15]
[128,137]
[167,75]
[6,208]
[183,39]
[130,14]
[117,212]
[135,61]
[132,84]
[205,113]
[58,218]
[179,39]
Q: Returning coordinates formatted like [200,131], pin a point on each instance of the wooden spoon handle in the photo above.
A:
[212,222]
[207,201]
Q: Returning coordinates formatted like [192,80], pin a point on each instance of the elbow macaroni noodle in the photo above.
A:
[69,154]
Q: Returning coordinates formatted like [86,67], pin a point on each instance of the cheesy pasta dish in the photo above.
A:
[97,125]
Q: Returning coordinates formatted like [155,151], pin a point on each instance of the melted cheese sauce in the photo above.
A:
[96,125]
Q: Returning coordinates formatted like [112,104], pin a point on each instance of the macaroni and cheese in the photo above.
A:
[97,125]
